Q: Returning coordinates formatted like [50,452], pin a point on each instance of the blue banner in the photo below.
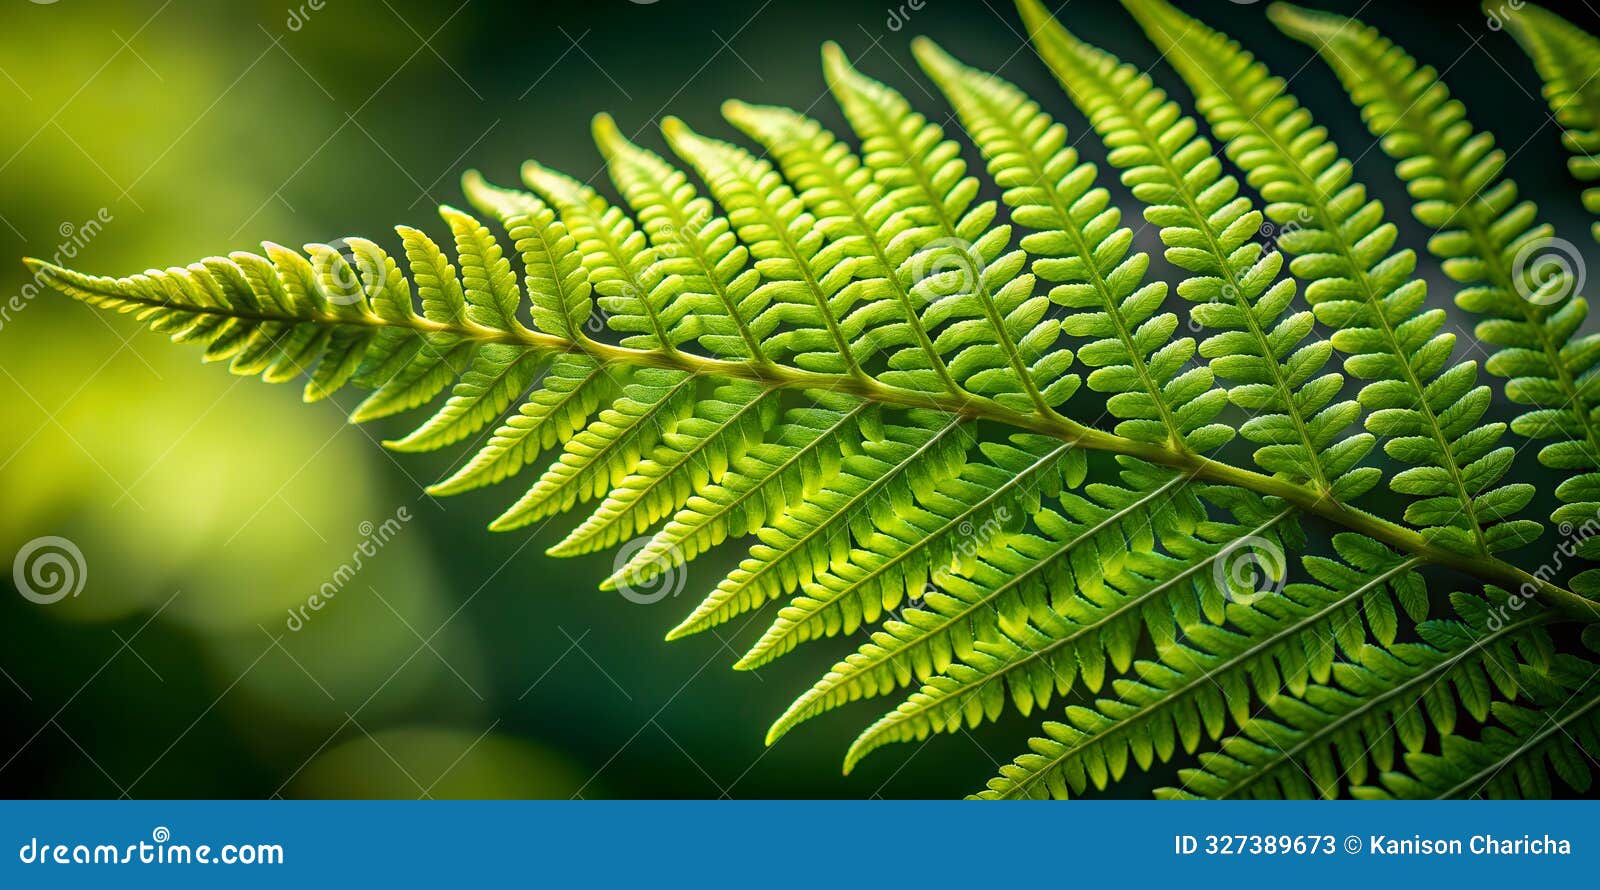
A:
[754,844]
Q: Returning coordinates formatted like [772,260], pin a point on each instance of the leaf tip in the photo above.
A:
[606,135]
[673,127]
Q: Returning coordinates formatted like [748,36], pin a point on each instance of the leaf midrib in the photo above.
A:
[1485,567]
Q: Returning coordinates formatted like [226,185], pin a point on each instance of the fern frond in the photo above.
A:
[772,477]
[697,451]
[1055,608]
[1004,341]
[918,546]
[557,281]
[1080,247]
[1514,756]
[499,373]
[803,280]
[1488,241]
[1381,703]
[1280,645]
[844,361]
[715,298]
[420,367]
[608,451]
[1240,290]
[1427,409]
[633,290]
[897,464]
[856,212]
[568,394]
[1568,61]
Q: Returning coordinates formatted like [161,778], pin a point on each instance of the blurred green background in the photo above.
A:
[454,662]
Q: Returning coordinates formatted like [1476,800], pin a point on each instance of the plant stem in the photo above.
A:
[1484,567]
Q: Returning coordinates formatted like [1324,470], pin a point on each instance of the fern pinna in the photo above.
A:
[839,353]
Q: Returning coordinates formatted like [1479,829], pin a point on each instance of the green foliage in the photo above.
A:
[1514,270]
[1427,409]
[850,362]
[1566,58]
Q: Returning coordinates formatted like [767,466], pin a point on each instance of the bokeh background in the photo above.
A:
[456,662]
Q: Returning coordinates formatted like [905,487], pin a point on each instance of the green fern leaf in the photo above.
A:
[1282,643]
[697,451]
[1381,703]
[920,544]
[1428,410]
[843,359]
[1052,610]
[1567,58]
[1488,241]
[1208,227]
[1081,248]
[718,302]
[567,396]
[850,207]
[998,329]
[769,480]
[893,469]
[1514,756]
